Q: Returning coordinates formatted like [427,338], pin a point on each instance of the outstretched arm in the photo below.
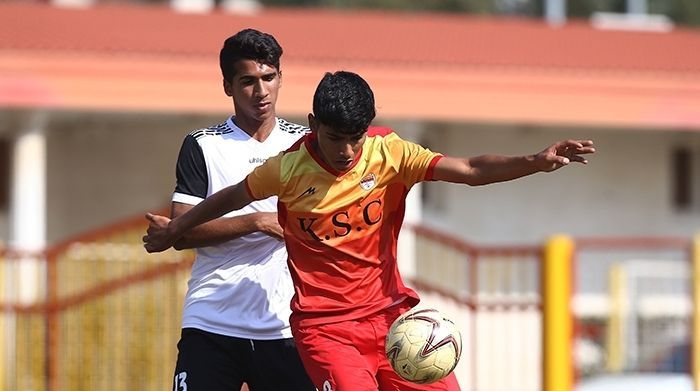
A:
[162,232]
[223,229]
[485,169]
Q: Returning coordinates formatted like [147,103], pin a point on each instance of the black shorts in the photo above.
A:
[213,362]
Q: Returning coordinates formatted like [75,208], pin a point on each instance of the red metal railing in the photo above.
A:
[101,289]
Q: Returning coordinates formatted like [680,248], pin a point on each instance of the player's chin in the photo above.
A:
[264,112]
[260,117]
[341,167]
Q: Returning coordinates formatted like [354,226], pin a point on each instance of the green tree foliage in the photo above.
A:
[471,6]
[584,8]
[684,12]
[681,11]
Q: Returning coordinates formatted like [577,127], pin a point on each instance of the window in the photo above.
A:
[682,165]
[5,173]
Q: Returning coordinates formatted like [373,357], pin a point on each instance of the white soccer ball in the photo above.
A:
[423,345]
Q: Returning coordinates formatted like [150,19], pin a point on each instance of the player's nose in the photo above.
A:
[260,89]
[346,151]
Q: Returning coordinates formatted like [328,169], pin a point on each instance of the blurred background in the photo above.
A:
[96,97]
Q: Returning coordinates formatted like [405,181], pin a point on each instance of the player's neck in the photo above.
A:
[258,130]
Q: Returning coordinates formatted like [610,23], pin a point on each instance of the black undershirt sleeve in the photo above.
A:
[191,169]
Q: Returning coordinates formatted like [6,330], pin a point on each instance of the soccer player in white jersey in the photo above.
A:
[342,195]
[235,326]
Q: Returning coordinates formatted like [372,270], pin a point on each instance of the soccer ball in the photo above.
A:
[423,346]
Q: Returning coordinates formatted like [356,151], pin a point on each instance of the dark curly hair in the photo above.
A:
[345,102]
[249,44]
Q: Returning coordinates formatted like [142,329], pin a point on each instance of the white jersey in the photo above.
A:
[241,288]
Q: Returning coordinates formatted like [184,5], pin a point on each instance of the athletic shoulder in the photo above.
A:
[383,137]
[292,128]
[214,130]
[379,131]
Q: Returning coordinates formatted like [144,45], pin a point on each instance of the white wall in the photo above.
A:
[624,190]
[103,167]
[501,349]
[106,167]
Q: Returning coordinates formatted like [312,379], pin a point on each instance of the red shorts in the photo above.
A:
[349,355]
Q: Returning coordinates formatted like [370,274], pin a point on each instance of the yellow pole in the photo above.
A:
[3,315]
[695,361]
[615,346]
[558,372]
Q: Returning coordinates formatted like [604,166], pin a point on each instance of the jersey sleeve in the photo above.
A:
[416,162]
[264,180]
[191,173]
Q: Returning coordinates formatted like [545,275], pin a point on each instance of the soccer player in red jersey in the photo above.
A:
[341,193]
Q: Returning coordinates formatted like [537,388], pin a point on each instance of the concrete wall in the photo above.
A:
[104,167]
[108,166]
[626,189]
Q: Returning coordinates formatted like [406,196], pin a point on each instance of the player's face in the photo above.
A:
[338,150]
[254,90]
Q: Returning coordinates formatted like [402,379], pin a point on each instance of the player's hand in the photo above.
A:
[267,223]
[562,153]
[157,237]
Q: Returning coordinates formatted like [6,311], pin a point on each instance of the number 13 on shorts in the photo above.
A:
[180,384]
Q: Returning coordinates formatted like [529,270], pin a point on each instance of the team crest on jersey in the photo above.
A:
[368,182]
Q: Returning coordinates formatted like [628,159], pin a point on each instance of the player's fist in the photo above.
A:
[157,237]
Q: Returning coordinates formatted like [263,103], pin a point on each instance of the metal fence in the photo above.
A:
[102,314]
[634,304]
[631,303]
[107,316]
[493,293]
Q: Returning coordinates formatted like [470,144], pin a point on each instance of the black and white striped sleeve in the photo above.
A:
[191,173]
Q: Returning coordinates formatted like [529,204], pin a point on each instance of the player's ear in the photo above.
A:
[313,124]
[228,89]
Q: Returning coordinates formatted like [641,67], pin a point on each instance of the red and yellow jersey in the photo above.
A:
[341,229]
